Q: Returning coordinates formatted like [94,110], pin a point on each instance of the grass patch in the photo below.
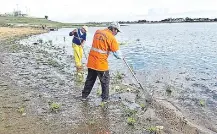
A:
[53,63]
[202,103]
[40,41]
[119,75]
[14,48]
[131,121]
[98,92]
[154,129]
[102,104]
[142,105]
[91,122]
[21,110]
[54,107]
[169,89]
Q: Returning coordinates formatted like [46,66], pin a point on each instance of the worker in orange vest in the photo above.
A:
[104,42]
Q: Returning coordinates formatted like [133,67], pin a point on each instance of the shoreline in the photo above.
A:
[7,33]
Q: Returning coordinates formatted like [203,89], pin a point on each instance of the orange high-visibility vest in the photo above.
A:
[103,42]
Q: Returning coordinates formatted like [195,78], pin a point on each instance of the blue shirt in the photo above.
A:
[78,35]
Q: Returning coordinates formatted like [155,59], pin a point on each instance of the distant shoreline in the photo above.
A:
[125,24]
[171,20]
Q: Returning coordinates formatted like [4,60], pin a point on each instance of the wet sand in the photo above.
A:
[32,79]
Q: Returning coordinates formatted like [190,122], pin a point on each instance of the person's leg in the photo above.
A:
[76,55]
[80,53]
[104,80]
[90,80]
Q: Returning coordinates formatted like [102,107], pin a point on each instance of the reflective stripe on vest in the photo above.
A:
[99,50]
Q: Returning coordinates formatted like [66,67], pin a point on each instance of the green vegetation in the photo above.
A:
[40,41]
[202,103]
[50,42]
[152,129]
[169,89]
[98,92]
[53,63]
[14,47]
[130,112]
[79,78]
[142,106]
[131,121]
[21,110]
[131,116]
[36,22]
[54,106]
[91,122]
[10,21]
[102,104]
[119,76]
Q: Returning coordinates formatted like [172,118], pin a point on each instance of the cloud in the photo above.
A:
[98,10]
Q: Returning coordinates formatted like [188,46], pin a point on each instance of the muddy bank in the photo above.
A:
[40,93]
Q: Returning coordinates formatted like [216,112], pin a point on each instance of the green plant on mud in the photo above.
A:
[119,75]
[79,78]
[131,114]
[21,110]
[14,47]
[117,88]
[202,103]
[91,122]
[50,42]
[169,89]
[54,106]
[102,104]
[53,63]
[142,105]
[154,129]
[40,41]
[98,92]
[42,51]
[131,121]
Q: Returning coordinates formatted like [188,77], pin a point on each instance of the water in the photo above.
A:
[172,46]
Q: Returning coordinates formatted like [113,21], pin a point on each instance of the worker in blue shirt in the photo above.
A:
[79,38]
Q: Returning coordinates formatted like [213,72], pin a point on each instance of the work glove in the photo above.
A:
[118,54]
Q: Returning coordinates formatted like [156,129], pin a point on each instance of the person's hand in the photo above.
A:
[82,45]
[118,54]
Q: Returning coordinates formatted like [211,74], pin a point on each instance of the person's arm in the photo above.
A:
[84,36]
[114,48]
[82,43]
[72,32]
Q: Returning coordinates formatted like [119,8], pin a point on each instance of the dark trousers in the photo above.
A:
[104,78]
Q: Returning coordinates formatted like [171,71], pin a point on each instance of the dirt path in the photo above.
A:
[40,93]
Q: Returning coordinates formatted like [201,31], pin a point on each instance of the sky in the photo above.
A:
[74,11]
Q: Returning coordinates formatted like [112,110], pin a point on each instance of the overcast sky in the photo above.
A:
[112,10]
